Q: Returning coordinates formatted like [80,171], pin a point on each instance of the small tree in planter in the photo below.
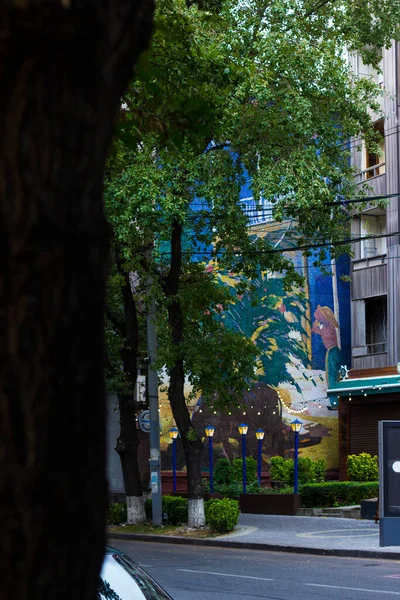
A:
[279,471]
[310,471]
[251,469]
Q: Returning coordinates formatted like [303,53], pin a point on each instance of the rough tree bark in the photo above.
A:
[191,442]
[63,67]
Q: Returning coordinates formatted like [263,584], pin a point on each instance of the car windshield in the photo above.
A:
[122,579]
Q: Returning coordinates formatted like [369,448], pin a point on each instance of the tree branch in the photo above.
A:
[317,7]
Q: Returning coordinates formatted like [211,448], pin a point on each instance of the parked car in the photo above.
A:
[123,579]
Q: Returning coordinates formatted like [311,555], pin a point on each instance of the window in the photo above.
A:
[368,71]
[376,324]
[374,162]
[372,225]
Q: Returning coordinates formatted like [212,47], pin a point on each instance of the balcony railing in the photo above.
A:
[368,349]
[373,171]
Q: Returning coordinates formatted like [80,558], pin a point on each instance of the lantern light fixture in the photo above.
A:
[296,425]
[260,434]
[243,429]
[173,433]
[209,431]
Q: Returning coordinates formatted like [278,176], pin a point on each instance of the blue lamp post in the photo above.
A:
[209,433]
[296,426]
[173,434]
[243,428]
[260,437]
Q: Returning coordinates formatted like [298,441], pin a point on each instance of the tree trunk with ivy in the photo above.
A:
[191,442]
[63,67]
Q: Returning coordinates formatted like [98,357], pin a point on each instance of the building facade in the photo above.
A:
[370,391]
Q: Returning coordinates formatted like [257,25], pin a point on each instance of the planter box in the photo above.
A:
[369,509]
[270,504]
[210,495]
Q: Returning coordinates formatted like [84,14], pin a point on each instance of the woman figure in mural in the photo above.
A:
[325,325]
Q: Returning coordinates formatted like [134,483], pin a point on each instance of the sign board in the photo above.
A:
[144,421]
[154,481]
[140,390]
[389,483]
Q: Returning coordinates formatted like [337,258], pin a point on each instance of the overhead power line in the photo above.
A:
[344,242]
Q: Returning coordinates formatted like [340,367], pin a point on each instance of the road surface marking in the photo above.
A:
[339,587]
[224,574]
[327,533]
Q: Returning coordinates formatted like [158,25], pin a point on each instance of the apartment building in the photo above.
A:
[368,390]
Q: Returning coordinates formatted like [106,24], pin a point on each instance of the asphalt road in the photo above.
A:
[199,573]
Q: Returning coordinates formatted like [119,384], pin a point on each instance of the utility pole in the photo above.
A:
[152,382]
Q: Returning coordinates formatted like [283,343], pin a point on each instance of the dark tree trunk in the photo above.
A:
[63,68]
[191,442]
[128,442]
[127,446]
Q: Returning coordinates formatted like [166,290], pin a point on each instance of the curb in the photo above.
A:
[169,539]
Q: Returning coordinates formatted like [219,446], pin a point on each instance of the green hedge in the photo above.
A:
[337,493]
[221,514]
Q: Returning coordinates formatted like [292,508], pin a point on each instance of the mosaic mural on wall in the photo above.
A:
[303,338]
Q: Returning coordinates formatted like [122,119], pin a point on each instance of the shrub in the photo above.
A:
[148,509]
[230,490]
[319,470]
[222,515]
[253,488]
[362,467]
[288,489]
[174,508]
[284,490]
[278,470]
[205,485]
[251,469]
[223,472]
[116,513]
[310,471]
[337,493]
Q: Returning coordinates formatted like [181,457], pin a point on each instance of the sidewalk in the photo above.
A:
[310,535]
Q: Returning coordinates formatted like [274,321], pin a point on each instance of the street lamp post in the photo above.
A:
[209,433]
[243,428]
[173,434]
[296,426]
[260,437]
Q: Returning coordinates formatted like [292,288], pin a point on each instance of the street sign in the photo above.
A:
[144,421]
